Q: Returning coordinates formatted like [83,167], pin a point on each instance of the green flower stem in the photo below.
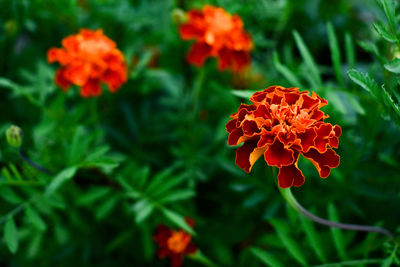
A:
[291,200]
[32,163]
[197,86]
[200,257]
[93,110]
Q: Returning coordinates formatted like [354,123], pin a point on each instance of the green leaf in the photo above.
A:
[144,60]
[393,66]
[18,90]
[349,47]
[355,104]
[290,244]
[93,195]
[106,207]
[286,72]
[8,194]
[267,258]
[35,218]
[167,186]
[11,235]
[61,234]
[15,171]
[6,83]
[6,173]
[336,99]
[177,219]
[366,82]
[78,146]
[143,209]
[119,240]
[383,32]
[159,179]
[98,153]
[335,53]
[308,60]
[313,238]
[246,94]
[337,233]
[388,262]
[35,244]
[60,179]
[389,8]
[141,176]
[394,103]
[130,119]
[371,48]
[177,196]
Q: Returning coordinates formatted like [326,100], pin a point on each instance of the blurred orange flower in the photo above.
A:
[174,244]
[89,59]
[217,34]
[281,124]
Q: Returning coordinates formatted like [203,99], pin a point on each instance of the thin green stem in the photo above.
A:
[291,200]
[32,163]
[94,112]
[197,86]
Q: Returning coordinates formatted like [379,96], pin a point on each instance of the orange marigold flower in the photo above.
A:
[283,123]
[89,59]
[217,34]
[174,244]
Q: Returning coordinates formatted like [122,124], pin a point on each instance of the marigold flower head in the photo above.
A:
[217,34]
[174,244]
[281,124]
[87,60]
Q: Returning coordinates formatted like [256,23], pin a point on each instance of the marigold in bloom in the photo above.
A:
[281,124]
[217,34]
[89,59]
[174,244]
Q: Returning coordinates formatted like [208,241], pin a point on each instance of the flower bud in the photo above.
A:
[11,27]
[179,16]
[14,136]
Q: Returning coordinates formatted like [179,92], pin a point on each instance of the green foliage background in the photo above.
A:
[157,151]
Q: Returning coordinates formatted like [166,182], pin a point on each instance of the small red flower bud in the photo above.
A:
[174,244]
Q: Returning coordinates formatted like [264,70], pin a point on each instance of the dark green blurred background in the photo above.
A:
[169,121]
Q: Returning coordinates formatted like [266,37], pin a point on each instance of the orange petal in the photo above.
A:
[323,161]
[248,154]
[198,54]
[61,80]
[277,155]
[58,54]
[189,31]
[91,88]
[307,139]
[290,176]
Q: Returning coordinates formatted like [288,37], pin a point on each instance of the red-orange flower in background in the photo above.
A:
[89,59]
[217,34]
[174,244]
[281,124]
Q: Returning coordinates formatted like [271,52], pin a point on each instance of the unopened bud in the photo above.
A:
[14,136]
[179,16]
[11,27]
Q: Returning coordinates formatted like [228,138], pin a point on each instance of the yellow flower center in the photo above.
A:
[178,241]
